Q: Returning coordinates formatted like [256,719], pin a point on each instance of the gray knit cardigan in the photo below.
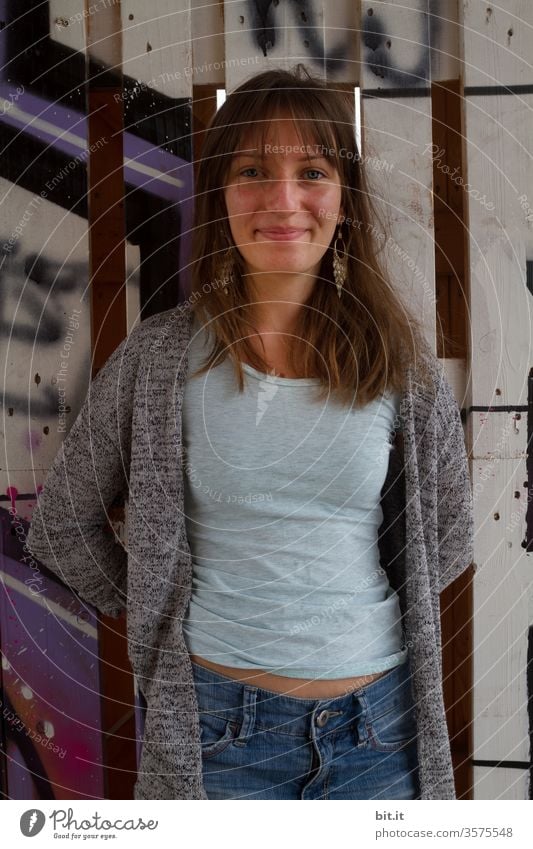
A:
[126,446]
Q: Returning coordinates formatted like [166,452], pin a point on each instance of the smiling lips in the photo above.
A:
[279,234]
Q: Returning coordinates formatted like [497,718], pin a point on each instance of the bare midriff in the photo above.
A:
[303,688]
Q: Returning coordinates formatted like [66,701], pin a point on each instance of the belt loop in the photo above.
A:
[363,718]
[249,698]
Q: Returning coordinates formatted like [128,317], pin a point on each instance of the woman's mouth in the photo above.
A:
[281,235]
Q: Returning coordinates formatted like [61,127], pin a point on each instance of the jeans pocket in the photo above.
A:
[216,732]
[395,727]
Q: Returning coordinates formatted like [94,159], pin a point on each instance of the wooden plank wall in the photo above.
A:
[446,152]
[156,88]
[408,64]
[395,78]
[498,104]
[50,671]
[96,101]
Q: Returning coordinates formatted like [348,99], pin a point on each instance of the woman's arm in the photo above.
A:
[69,531]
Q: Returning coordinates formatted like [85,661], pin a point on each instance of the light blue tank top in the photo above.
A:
[282,512]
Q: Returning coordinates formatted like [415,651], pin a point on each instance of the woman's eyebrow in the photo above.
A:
[262,157]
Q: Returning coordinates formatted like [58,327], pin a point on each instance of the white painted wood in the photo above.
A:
[68,20]
[444,41]
[156,45]
[341,38]
[396,136]
[104,36]
[207,34]
[433,40]
[498,40]
[293,33]
[244,35]
[500,783]
[497,130]
[498,435]
[133,286]
[503,593]
[43,353]
[497,139]
[337,27]
[455,370]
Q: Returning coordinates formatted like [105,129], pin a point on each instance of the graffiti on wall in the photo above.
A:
[396,59]
[401,59]
[264,17]
[50,725]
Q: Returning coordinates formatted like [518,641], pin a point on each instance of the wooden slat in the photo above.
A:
[503,592]
[207,41]
[156,94]
[450,226]
[322,36]
[46,347]
[110,326]
[497,137]
[396,118]
[515,783]
[156,45]
[404,117]
[156,101]
[67,23]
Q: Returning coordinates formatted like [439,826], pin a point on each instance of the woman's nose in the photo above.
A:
[282,193]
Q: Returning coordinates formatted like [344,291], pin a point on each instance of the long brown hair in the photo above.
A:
[360,342]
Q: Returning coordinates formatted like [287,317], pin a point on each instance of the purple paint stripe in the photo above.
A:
[59,116]
[39,585]
[139,150]
[144,153]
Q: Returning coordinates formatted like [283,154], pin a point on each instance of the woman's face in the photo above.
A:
[283,210]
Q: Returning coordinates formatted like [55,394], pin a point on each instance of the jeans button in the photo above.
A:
[322,718]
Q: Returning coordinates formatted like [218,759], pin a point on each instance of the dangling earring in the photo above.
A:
[227,275]
[340,265]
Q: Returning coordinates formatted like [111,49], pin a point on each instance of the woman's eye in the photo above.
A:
[309,171]
[314,171]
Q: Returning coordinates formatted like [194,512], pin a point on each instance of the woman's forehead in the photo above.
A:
[263,141]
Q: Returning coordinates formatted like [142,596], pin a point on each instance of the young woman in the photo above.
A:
[297,484]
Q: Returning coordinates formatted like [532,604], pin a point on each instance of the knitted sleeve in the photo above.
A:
[455,514]
[69,532]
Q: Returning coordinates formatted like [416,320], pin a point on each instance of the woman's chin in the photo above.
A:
[280,262]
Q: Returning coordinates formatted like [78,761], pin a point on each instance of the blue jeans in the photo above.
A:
[258,744]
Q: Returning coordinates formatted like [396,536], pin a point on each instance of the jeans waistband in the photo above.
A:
[218,693]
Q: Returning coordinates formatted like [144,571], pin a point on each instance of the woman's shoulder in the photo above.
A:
[151,333]
[144,342]
[428,387]
[432,392]
[145,328]
[422,372]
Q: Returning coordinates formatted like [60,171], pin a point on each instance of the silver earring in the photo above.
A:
[340,265]
[227,275]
